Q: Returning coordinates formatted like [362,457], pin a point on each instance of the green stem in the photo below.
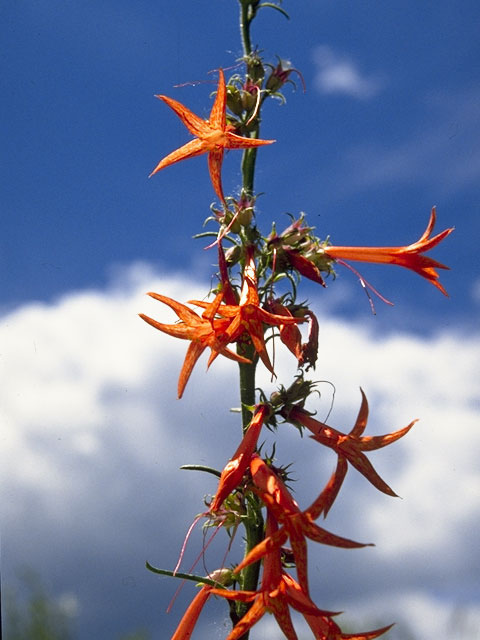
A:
[254,529]
[245,19]
[247,382]
[254,526]
[248,163]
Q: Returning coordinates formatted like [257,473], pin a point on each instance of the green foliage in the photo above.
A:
[31,612]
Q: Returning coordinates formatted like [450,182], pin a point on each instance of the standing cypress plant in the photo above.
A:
[253,491]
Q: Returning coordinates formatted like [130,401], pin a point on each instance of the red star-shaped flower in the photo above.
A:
[277,592]
[248,317]
[350,447]
[203,332]
[212,136]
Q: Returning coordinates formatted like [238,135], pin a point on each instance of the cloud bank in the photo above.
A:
[92,438]
[338,73]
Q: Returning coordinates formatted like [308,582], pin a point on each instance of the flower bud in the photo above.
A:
[233,255]
[234,100]
[222,576]
[304,266]
[249,96]
[310,348]
[255,69]
[296,232]
[280,75]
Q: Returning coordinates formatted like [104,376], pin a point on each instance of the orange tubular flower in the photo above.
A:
[277,592]
[202,331]
[212,136]
[410,256]
[297,525]
[234,470]
[350,446]
[191,615]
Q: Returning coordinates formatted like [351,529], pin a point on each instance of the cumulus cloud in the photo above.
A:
[337,73]
[93,436]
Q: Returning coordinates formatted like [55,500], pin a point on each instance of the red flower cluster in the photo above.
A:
[222,324]
[286,521]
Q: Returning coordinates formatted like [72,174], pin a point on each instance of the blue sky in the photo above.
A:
[389,126]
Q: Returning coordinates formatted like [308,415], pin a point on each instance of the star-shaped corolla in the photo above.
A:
[212,136]
[350,447]
[410,256]
[249,317]
[203,331]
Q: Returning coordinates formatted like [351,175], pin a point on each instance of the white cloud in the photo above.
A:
[337,73]
[92,438]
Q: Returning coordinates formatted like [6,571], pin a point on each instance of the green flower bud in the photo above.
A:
[234,100]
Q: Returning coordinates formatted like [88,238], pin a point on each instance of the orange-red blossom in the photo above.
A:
[279,591]
[203,332]
[349,447]
[221,324]
[410,256]
[296,524]
[187,623]
[234,470]
[212,136]
[248,317]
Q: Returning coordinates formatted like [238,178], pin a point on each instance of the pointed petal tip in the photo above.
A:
[154,171]
[147,319]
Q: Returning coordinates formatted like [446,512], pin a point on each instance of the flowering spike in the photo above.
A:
[410,256]
[212,136]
